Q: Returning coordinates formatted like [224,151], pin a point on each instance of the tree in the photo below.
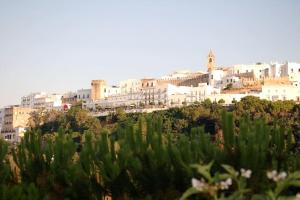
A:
[35,119]
[180,125]
[221,101]
[207,103]
[120,114]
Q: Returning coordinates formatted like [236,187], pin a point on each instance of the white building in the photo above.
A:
[14,122]
[245,79]
[232,80]
[171,95]
[292,70]
[215,77]
[111,91]
[164,94]
[274,92]
[181,74]
[130,86]
[114,101]
[275,70]
[201,92]
[259,70]
[229,97]
[42,101]
[178,95]
[83,95]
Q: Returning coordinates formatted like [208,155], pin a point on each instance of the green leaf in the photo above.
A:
[230,170]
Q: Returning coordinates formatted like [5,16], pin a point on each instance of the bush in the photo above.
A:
[156,155]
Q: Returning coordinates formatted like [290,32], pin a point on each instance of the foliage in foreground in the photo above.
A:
[141,161]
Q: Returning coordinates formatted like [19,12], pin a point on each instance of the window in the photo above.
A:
[283,98]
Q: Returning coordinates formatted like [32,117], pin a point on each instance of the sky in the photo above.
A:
[61,45]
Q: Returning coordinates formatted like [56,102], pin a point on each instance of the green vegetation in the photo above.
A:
[201,151]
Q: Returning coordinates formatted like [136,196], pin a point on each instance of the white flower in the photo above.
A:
[282,175]
[224,185]
[271,174]
[229,181]
[298,196]
[199,185]
[246,173]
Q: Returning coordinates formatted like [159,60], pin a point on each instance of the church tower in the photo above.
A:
[211,61]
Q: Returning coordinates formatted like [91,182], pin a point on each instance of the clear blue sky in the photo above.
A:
[58,45]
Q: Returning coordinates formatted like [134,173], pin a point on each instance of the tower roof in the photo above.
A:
[210,54]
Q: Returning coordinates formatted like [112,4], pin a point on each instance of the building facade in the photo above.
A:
[69,98]
[42,101]
[83,95]
[98,88]
[14,122]
[275,92]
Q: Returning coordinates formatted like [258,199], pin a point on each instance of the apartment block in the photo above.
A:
[14,122]
[42,101]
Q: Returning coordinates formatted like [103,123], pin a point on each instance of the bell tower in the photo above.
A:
[211,61]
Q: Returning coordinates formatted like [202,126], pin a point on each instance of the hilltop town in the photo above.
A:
[225,85]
